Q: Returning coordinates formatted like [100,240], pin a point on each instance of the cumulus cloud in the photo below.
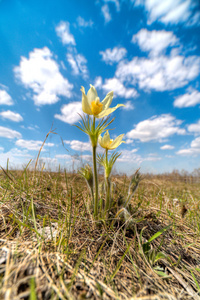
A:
[78,63]
[114,84]
[32,144]
[63,32]
[167,147]
[155,42]
[63,156]
[86,157]
[82,23]
[194,149]
[9,133]
[70,112]
[5,98]
[78,145]
[157,128]
[132,157]
[41,73]
[188,100]
[128,106]
[17,158]
[171,11]
[49,161]
[159,73]
[194,128]
[98,82]
[106,13]
[111,56]
[129,141]
[10,115]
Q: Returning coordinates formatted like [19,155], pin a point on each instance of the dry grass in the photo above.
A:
[52,248]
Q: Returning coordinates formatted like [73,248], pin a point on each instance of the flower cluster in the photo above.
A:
[94,109]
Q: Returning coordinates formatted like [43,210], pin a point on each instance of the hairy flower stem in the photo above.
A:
[95,176]
[107,207]
[107,185]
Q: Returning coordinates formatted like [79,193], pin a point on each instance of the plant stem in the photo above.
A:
[107,184]
[95,176]
[107,179]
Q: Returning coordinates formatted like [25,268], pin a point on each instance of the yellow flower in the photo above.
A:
[91,104]
[107,143]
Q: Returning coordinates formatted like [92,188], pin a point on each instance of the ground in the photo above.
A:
[51,247]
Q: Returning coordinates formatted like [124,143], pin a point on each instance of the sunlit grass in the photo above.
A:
[52,247]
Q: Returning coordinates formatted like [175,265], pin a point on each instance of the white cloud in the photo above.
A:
[129,141]
[71,60]
[63,156]
[78,64]
[77,61]
[41,73]
[48,160]
[132,157]
[32,144]
[5,98]
[98,82]
[106,13]
[187,100]
[114,84]
[152,158]
[159,73]
[70,112]
[86,157]
[78,145]
[1,149]
[171,11]
[63,32]
[157,128]
[81,62]
[15,117]
[128,106]
[82,23]
[9,133]
[194,149]
[167,147]
[114,55]
[155,42]
[17,158]
[195,128]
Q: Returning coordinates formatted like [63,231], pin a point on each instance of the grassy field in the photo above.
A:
[51,247]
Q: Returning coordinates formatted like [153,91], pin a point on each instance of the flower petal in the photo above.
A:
[100,140]
[85,105]
[106,140]
[82,89]
[116,142]
[107,100]
[91,94]
[108,111]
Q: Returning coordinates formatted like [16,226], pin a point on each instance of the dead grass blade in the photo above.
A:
[185,284]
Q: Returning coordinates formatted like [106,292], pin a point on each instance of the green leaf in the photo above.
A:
[33,295]
[163,274]
[157,234]
[146,247]
[159,256]
[195,280]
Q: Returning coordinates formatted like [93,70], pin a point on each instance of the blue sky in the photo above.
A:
[146,51]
